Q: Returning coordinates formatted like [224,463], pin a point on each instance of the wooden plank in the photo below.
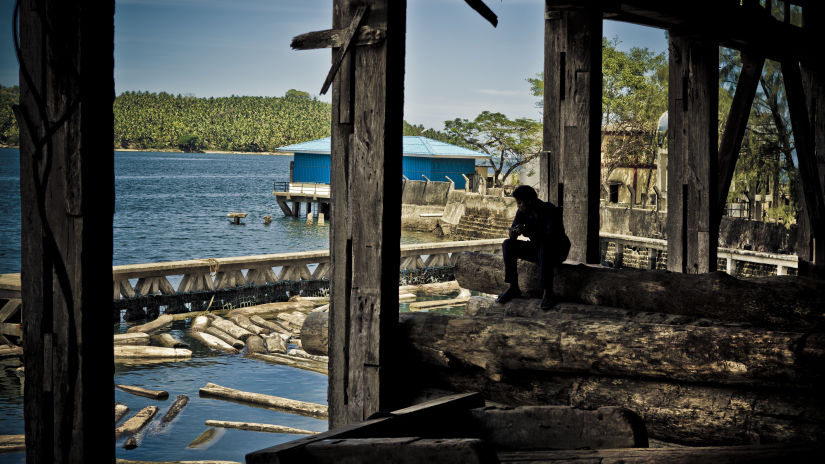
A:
[334,38]
[580,132]
[14,330]
[735,126]
[555,38]
[484,11]
[67,183]
[346,42]
[812,257]
[10,308]
[692,161]
[810,180]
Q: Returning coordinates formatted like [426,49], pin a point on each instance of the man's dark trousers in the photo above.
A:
[540,252]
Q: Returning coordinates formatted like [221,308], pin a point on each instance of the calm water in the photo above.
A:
[172,206]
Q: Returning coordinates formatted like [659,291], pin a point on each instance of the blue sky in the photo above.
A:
[457,64]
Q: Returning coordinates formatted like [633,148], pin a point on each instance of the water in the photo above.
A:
[173,206]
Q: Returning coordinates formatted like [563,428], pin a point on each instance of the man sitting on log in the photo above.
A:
[541,222]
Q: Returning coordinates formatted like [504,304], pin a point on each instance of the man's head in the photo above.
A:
[525,197]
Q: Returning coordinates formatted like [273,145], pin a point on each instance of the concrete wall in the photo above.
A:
[419,192]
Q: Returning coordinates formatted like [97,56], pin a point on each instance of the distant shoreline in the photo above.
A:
[218,152]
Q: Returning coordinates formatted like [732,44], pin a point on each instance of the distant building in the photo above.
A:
[423,158]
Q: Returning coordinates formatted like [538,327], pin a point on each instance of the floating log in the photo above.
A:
[292,361]
[434,304]
[404,297]
[200,324]
[231,328]
[225,337]
[777,302]
[130,443]
[303,354]
[10,351]
[256,345]
[276,343]
[435,288]
[204,438]
[295,319]
[120,411]
[12,443]
[168,341]
[315,334]
[136,338]
[245,323]
[274,308]
[254,427]
[180,402]
[144,392]
[267,401]
[271,325]
[163,321]
[315,300]
[135,423]
[134,351]
[214,342]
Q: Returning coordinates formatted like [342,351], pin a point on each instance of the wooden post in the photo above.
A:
[811,242]
[67,198]
[367,101]
[572,123]
[692,159]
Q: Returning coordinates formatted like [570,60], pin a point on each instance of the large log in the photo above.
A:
[315,333]
[776,302]
[292,361]
[272,326]
[231,328]
[213,342]
[136,422]
[180,402]
[268,401]
[167,340]
[255,427]
[144,392]
[131,339]
[136,351]
[162,322]
[225,337]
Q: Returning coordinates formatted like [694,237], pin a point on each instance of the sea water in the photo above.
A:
[173,206]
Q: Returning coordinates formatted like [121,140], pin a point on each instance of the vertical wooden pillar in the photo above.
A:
[67,199]
[572,123]
[692,170]
[368,101]
[811,242]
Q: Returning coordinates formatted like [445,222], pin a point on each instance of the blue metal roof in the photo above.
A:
[413,146]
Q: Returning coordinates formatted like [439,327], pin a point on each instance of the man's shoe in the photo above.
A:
[508,295]
[546,304]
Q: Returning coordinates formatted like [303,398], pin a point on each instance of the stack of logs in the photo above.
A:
[702,359]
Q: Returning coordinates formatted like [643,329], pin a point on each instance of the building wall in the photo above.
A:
[311,167]
[452,168]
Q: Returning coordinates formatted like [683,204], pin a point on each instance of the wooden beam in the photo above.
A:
[571,163]
[67,198]
[484,11]
[349,33]
[692,160]
[740,110]
[333,38]
[809,176]
[366,137]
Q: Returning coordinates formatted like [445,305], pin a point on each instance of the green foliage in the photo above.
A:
[634,95]
[509,143]
[190,143]
[292,93]
[784,214]
[157,121]
[9,133]
[419,130]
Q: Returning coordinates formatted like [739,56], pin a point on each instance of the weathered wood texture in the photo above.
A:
[268,401]
[146,393]
[693,157]
[180,402]
[137,422]
[366,139]
[547,427]
[315,334]
[716,355]
[402,450]
[255,427]
[164,321]
[147,352]
[292,361]
[772,302]
[67,199]
[802,453]
[672,412]
[571,163]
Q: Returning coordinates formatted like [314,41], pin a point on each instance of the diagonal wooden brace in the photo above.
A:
[350,33]
[484,11]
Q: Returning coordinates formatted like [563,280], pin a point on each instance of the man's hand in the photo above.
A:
[517,230]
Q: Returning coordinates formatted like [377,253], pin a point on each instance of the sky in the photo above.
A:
[457,64]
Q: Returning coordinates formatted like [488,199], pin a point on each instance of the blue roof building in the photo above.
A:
[422,157]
